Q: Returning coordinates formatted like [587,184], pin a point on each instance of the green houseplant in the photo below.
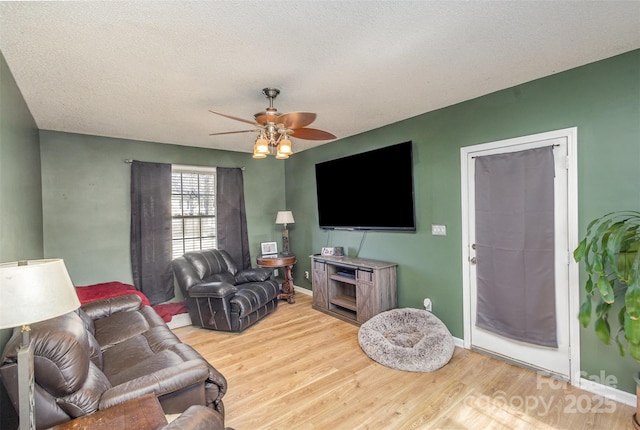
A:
[612,262]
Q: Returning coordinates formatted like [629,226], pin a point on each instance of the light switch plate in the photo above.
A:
[438,230]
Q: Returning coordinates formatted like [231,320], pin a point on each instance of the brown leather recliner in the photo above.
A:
[108,352]
[221,297]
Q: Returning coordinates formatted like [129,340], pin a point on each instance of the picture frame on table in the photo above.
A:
[269,248]
[327,250]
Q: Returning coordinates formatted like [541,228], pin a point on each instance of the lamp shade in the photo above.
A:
[261,146]
[284,217]
[35,291]
[284,147]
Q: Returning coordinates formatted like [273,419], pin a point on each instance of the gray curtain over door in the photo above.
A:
[515,245]
[151,230]
[231,216]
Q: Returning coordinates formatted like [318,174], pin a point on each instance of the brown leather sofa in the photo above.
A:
[221,297]
[108,352]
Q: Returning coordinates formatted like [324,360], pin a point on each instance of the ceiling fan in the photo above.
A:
[276,128]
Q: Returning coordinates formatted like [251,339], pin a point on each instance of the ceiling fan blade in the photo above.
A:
[311,134]
[233,117]
[234,132]
[295,120]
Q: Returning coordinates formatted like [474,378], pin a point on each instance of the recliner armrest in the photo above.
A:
[218,290]
[104,308]
[162,382]
[253,275]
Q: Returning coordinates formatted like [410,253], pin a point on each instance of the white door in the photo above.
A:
[560,361]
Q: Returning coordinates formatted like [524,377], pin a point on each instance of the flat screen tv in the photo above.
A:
[368,191]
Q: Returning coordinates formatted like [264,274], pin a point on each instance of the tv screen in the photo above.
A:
[368,191]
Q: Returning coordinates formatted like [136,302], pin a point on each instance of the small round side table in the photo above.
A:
[287,261]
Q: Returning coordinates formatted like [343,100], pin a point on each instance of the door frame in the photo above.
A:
[571,136]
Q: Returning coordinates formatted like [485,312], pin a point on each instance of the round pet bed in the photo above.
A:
[407,339]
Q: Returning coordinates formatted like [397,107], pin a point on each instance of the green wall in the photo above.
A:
[20,193]
[20,189]
[86,198]
[602,99]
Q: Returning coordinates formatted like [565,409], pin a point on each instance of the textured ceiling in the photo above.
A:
[151,70]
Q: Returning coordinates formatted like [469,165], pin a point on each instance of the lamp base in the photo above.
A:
[285,242]
[25,382]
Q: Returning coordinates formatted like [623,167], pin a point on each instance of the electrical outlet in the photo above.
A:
[306,274]
[275,272]
[438,230]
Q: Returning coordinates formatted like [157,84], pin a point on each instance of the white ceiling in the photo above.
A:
[151,70]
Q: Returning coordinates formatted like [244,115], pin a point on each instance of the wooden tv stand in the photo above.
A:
[353,289]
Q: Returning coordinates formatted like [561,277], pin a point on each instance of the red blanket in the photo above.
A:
[168,310]
[91,293]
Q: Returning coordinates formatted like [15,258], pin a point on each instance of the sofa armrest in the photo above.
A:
[104,308]
[162,382]
[253,275]
[218,290]
[197,418]
[216,383]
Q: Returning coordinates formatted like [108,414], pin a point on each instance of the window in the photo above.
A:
[193,208]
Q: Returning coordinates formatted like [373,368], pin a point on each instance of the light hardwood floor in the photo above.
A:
[301,369]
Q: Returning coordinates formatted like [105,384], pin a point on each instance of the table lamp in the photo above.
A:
[285,217]
[32,291]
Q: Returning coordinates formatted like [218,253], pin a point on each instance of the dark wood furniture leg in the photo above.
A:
[288,292]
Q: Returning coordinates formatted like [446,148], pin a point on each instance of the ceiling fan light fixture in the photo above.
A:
[275,128]
[284,147]
[261,146]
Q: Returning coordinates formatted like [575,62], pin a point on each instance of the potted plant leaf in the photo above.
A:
[612,263]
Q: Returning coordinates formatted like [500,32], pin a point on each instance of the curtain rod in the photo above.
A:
[550,146]
[129,161]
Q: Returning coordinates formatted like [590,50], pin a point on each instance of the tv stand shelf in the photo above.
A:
[345,279]
[346,302]
[353,289]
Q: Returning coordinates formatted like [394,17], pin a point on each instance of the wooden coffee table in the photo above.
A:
[143,413]
[287,261]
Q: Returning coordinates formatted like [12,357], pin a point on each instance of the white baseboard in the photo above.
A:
[302,290]
[608,392]
[458,342]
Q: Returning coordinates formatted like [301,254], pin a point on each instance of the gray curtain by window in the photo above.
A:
[515,245]
[151,230]
[231,216]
